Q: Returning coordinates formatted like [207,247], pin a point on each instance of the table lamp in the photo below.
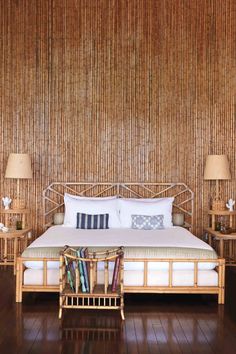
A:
[18,167]
[217,168]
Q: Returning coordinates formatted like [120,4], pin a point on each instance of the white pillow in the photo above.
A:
[128,207]
[90,198]
[74,206]
[145,200]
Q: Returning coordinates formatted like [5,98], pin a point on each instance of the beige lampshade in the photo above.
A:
[217,168]
[18,166]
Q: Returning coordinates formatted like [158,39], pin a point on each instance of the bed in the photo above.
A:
[169,260]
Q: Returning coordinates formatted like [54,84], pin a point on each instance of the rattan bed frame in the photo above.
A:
[53,202]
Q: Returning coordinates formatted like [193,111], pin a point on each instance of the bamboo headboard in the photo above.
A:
[53,195]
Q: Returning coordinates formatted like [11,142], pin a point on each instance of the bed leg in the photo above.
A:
[60,313]
[122,314]
[60,307]
[221,294]
[221,297]
[19,277]
[223,284]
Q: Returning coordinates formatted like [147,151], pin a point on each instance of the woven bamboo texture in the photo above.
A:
[117,91]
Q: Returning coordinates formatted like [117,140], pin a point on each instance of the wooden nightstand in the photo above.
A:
[226,241]
[13,242]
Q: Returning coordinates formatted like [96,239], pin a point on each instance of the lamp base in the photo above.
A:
[18,203]
[218,205]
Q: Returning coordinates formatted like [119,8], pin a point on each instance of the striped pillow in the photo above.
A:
[87,221]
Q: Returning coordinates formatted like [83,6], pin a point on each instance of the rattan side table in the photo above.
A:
[13,243]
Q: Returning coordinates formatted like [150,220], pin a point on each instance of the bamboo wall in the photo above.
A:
[117,90]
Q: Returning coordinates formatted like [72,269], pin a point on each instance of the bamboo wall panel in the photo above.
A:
[116,90]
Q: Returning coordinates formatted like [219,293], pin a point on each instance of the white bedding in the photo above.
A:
[59,236]
[137,243]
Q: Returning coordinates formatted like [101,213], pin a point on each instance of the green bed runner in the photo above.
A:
[130,252]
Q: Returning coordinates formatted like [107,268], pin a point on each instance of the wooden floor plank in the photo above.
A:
[141,334]
[168,327]
[162,340]
[131,335]
[180,336]
[149,320]
[194,334]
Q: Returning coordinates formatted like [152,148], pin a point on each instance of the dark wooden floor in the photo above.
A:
[154,324]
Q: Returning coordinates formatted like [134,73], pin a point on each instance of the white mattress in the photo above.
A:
[137,243]
[59,236]
[133,278]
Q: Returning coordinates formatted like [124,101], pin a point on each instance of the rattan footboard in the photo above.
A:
[194,289]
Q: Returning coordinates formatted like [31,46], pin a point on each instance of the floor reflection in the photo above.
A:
[77,332]
[82,331]
[90,328]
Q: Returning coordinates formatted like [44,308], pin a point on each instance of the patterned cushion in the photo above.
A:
[147,222]
[86,221]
